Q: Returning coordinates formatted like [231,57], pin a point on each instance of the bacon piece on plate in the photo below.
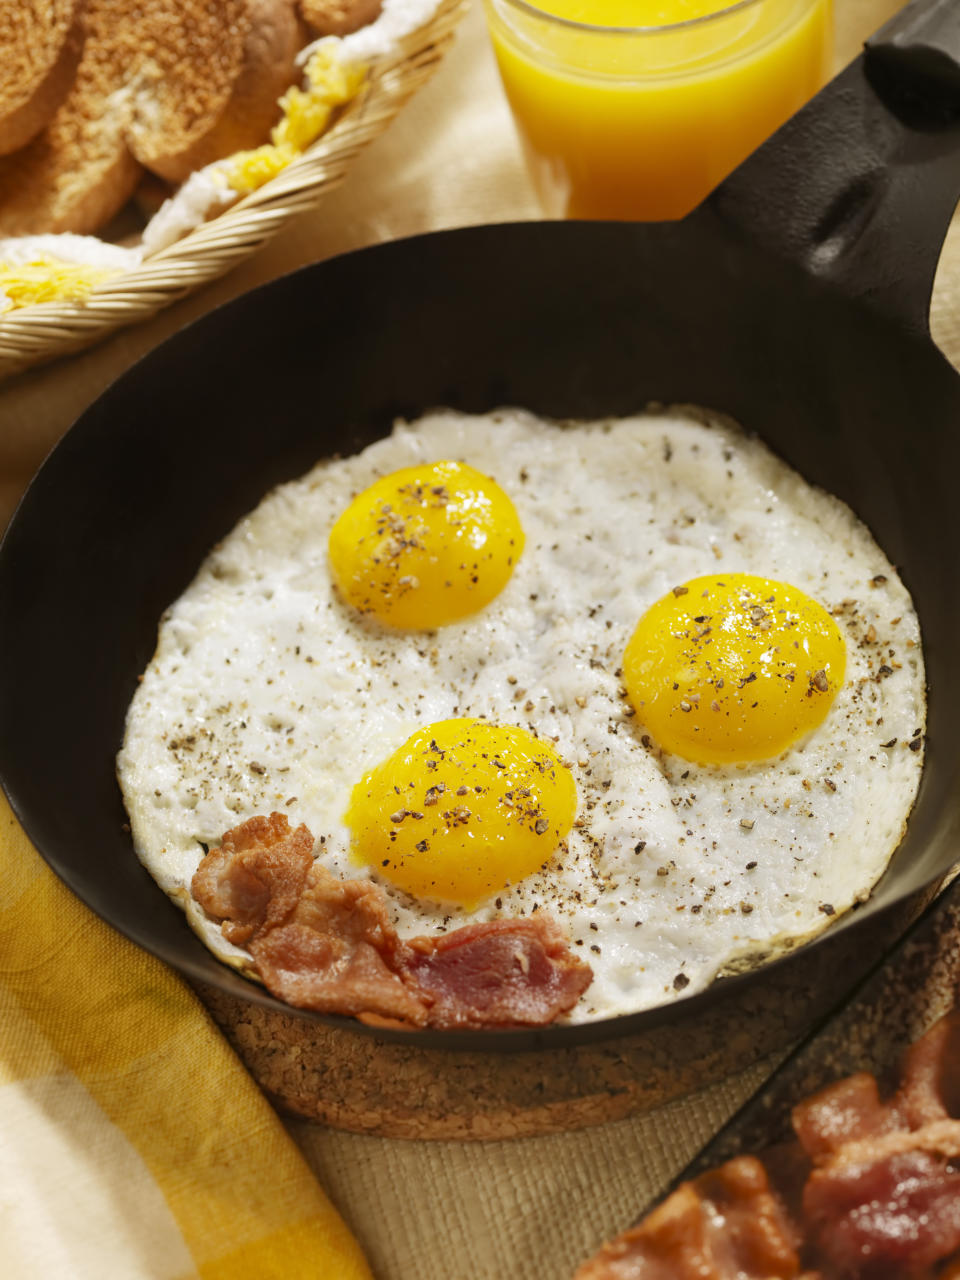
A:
[930,1088]
[888,1206]
[885,1199]
[843,1112]
[726,1225]
[502,973]
[254,880]
[750,1234]
[870,1192]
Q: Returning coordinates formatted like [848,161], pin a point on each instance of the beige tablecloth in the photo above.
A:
[526,1210]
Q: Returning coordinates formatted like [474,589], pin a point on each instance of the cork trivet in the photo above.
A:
[354,1081]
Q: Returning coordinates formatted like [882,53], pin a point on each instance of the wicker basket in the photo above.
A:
[34,334]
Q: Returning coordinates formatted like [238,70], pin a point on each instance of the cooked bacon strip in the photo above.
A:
[254,880]
[930,1088]
[503,973]
[750,1234]
[896,1214]
[726,1225]
[326,944]
[851,1109]
[880,1198]
[668,1245]
[885,1200]
[337,952]
[847,1111]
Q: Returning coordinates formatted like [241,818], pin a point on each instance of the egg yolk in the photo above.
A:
[461,810]
[426,545]
[733,668]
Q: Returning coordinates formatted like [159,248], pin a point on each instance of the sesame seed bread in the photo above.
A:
[78,171]
[222,96]
[165,84]
[338,17]
[40,47]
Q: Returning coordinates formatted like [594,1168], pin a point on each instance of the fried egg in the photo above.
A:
[426,545]
[733,667]
[490,804]
[649,681]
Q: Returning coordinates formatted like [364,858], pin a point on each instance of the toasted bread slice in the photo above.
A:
[78,171]
[338,17]
[208,83]
[39,50]
[167,84]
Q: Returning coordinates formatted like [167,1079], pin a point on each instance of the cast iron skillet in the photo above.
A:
[795,300]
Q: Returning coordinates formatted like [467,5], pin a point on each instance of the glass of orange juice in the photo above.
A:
[638,108]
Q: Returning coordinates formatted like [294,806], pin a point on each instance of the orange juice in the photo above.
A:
[638,108]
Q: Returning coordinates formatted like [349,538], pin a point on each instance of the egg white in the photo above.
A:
[267,692]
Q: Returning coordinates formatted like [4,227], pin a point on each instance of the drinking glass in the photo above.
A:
[641,122]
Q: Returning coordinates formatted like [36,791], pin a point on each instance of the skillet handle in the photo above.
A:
[859,187]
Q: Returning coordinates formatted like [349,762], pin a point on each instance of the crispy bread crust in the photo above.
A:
[338,17]
[39,51]
[170,83]
[199,121]
[78,171]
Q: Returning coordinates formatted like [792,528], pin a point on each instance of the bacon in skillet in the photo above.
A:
[254,880]
[501,973]
[327,944]
[336,953]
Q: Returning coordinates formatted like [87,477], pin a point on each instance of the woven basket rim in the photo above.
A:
[31,335]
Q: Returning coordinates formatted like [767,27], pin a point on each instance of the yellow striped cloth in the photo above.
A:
[132,1142]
